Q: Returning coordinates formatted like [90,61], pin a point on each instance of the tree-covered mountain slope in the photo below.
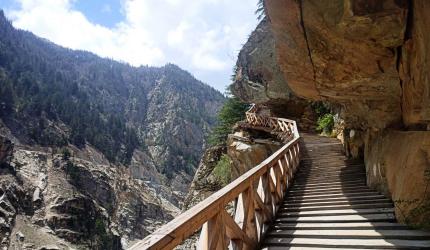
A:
[52,96]
[138,132]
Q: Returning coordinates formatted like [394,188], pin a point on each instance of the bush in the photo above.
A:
[326,123]
[222,170]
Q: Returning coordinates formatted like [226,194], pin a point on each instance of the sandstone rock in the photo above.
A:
[369,60]
[353,141]
[247,155]
[343,52]
[244,153]
[258,78]
[398,164]
[414,68]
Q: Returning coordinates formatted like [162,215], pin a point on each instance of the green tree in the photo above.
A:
[232,112]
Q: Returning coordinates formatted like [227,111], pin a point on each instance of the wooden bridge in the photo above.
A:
[327,206]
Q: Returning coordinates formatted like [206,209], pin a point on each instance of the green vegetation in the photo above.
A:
[232,112]
[325,122]
[222,170]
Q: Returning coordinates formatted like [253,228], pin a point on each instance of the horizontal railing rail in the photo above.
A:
[239,214]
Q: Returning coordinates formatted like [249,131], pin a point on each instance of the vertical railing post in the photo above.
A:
[212,235]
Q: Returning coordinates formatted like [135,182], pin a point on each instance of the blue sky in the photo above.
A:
[201,36]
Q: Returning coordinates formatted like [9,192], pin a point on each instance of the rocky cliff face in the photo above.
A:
[347,52]
[369,60]
[398,163]
[76,202]
[259,78]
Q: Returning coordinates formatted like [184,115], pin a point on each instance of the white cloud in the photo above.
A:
[175,37]
[199,35]
[58,22]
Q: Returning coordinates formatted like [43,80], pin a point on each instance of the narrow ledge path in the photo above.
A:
[329,206]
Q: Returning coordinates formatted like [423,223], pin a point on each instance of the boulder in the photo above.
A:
[246,155]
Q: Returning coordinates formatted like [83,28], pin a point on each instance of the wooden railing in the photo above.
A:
[238,215]
[286,129]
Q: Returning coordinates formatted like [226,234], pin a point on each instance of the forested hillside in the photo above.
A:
[53,96]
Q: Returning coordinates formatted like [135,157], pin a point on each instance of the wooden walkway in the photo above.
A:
[306,195]
[330,206]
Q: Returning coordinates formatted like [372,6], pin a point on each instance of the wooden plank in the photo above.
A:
[341,218]
[250,226]
[353,243]
[262,207]
[341,226]
[339,212]
[352,233]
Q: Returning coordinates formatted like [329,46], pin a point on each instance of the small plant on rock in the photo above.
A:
[222,170]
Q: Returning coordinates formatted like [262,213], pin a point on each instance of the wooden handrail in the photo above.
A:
[238,214]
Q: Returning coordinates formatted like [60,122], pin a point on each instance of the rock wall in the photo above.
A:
[398,163]
[259,79]
[414,67]
[343,52]
[369,60]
